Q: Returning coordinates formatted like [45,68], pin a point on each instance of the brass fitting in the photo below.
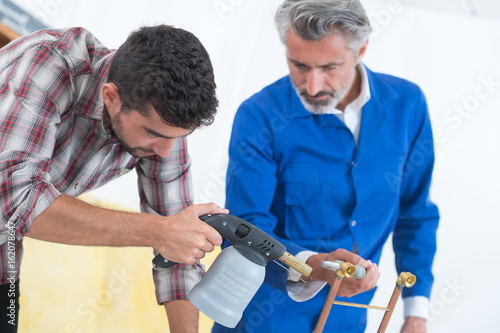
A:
[406,279]
[341,268]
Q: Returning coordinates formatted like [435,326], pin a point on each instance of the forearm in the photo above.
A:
[71,221]
[182,237]
[182,316]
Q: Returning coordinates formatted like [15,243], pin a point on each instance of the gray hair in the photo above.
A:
[317,19]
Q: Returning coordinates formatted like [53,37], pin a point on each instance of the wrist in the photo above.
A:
[147,230]
[414,325]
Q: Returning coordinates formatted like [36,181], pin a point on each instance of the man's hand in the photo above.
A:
[184,238]
[349,286]
[414,325]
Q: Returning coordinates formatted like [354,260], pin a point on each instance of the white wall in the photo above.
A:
[452,56]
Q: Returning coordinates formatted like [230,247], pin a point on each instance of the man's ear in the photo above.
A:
[362,51]
[111,97]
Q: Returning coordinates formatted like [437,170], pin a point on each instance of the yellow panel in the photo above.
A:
[76,289]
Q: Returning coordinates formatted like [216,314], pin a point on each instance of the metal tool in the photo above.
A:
[355,271]
[237,273]
[250,241]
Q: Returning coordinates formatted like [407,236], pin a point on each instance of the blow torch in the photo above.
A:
[237,273]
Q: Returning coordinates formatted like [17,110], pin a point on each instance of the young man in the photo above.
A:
[330,158]
[76,115]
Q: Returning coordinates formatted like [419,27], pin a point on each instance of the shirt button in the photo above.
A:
[121,172]
[353,223]
[77,185]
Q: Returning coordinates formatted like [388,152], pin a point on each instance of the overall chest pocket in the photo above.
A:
[302,201]
[314,211]
[301,183]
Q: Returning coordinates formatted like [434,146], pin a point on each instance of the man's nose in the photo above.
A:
[315,82]
[163,146]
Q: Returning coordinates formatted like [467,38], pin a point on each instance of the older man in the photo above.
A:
[330,158]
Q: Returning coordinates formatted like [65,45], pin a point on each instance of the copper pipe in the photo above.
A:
[405,279]
[392,304]
[328,305]
[342,269]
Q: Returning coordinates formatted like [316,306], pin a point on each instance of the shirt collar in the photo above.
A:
[364,95]
[89,101]
[365,85]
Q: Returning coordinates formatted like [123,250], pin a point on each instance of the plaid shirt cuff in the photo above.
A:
[176,282]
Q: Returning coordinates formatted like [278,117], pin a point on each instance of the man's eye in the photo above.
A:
[301,67]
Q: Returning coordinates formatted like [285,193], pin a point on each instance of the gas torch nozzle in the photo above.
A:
[296,264]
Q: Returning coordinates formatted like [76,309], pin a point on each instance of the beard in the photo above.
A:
[116,126]
[327,105]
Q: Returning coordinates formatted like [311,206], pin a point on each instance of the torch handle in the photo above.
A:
[253,243]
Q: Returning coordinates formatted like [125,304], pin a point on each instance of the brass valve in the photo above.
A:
[406,279]
[341,268]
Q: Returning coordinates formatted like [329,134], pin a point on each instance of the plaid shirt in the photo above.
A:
[54,140]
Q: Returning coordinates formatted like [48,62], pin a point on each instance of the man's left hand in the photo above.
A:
[414,325]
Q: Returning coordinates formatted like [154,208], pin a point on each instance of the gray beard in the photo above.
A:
[325,107]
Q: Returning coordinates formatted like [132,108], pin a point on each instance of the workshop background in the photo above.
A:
[450,48]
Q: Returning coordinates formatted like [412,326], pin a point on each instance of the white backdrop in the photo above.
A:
[451,55]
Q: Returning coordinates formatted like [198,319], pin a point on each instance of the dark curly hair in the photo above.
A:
[169,68]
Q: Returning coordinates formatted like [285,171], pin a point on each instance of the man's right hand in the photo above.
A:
[349,286]
[184,238]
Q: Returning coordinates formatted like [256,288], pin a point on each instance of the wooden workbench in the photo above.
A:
[6,35]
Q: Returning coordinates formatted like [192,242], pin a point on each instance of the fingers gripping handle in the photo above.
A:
[161,263]
[250,241]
